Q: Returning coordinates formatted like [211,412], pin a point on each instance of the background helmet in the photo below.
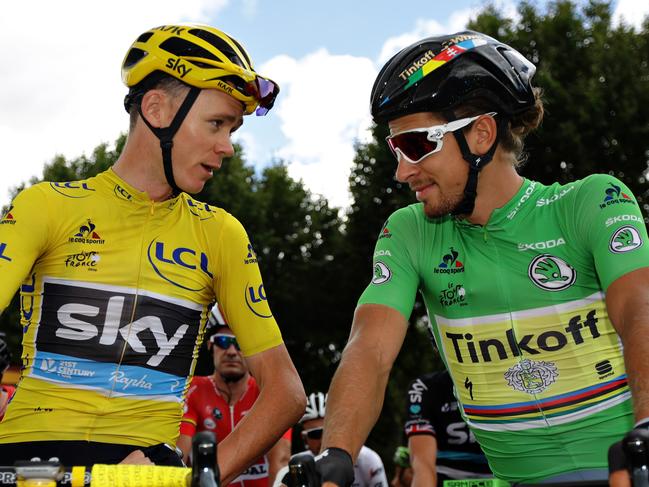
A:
[200,56]
[315,406]
[5,355]
[215,322]
[439,73]
[401,457]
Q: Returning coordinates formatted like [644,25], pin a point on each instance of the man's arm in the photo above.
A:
[357,389]
[185,444]
[278,457]
[280,404]
[627,302]
[423,458]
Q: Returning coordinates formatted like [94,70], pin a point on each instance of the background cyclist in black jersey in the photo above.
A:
[441,445]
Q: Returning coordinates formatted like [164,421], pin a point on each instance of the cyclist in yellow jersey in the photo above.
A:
[118,272]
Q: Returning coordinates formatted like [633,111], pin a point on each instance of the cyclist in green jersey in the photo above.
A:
[531,290]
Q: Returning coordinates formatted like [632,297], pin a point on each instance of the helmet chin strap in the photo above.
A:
[476,163]
[166,135]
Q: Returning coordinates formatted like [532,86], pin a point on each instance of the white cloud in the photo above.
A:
[323,110]
[631,12]
[456,22]
[62,92]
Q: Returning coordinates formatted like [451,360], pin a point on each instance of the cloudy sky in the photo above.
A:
[62,92]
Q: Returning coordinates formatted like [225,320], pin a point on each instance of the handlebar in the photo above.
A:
[205,472]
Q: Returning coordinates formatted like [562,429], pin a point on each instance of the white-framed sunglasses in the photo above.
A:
[416,144]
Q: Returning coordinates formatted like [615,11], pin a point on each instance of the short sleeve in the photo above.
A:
[23,238]
[395,278]
[240,291]
[609,222]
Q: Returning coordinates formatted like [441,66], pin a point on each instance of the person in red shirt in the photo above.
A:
[6,391]
[219,401]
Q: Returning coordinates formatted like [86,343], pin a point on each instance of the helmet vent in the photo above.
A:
[144,37]
[221,45]
[133,57]
[183,48]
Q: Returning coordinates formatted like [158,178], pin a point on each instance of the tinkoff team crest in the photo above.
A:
[531,377]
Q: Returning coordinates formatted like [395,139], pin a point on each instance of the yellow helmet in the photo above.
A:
[200,56]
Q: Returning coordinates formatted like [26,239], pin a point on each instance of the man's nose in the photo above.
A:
[405,170]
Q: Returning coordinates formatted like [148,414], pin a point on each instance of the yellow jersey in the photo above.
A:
[115,290]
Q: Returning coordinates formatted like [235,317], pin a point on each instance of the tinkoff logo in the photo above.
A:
[385,231]
[450,264]
[251,258]
[615,196]
[8,218]
[87,235]
[625,239]
[551,273]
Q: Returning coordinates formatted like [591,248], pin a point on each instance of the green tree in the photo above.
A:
[595,79]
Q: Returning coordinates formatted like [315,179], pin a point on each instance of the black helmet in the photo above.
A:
[439,73]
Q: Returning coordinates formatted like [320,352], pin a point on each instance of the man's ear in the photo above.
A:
[155,109]
[482,135]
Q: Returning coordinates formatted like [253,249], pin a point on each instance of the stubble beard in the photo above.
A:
[445,205]
[230,377]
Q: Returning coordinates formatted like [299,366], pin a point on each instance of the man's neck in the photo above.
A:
[498,182]
[232,391]
[142,168]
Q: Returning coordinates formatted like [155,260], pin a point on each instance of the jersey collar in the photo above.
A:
[520,204]
[125,192]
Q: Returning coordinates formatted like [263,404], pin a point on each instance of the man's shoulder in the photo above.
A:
[200,382]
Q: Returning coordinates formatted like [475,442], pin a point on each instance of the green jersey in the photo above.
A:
[517,308]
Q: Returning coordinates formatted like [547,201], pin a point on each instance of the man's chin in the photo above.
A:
[232,376]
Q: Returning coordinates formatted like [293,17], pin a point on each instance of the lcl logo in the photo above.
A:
[172,263]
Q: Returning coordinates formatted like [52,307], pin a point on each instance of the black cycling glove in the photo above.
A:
[632,452]
[335,465]
[332,465]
